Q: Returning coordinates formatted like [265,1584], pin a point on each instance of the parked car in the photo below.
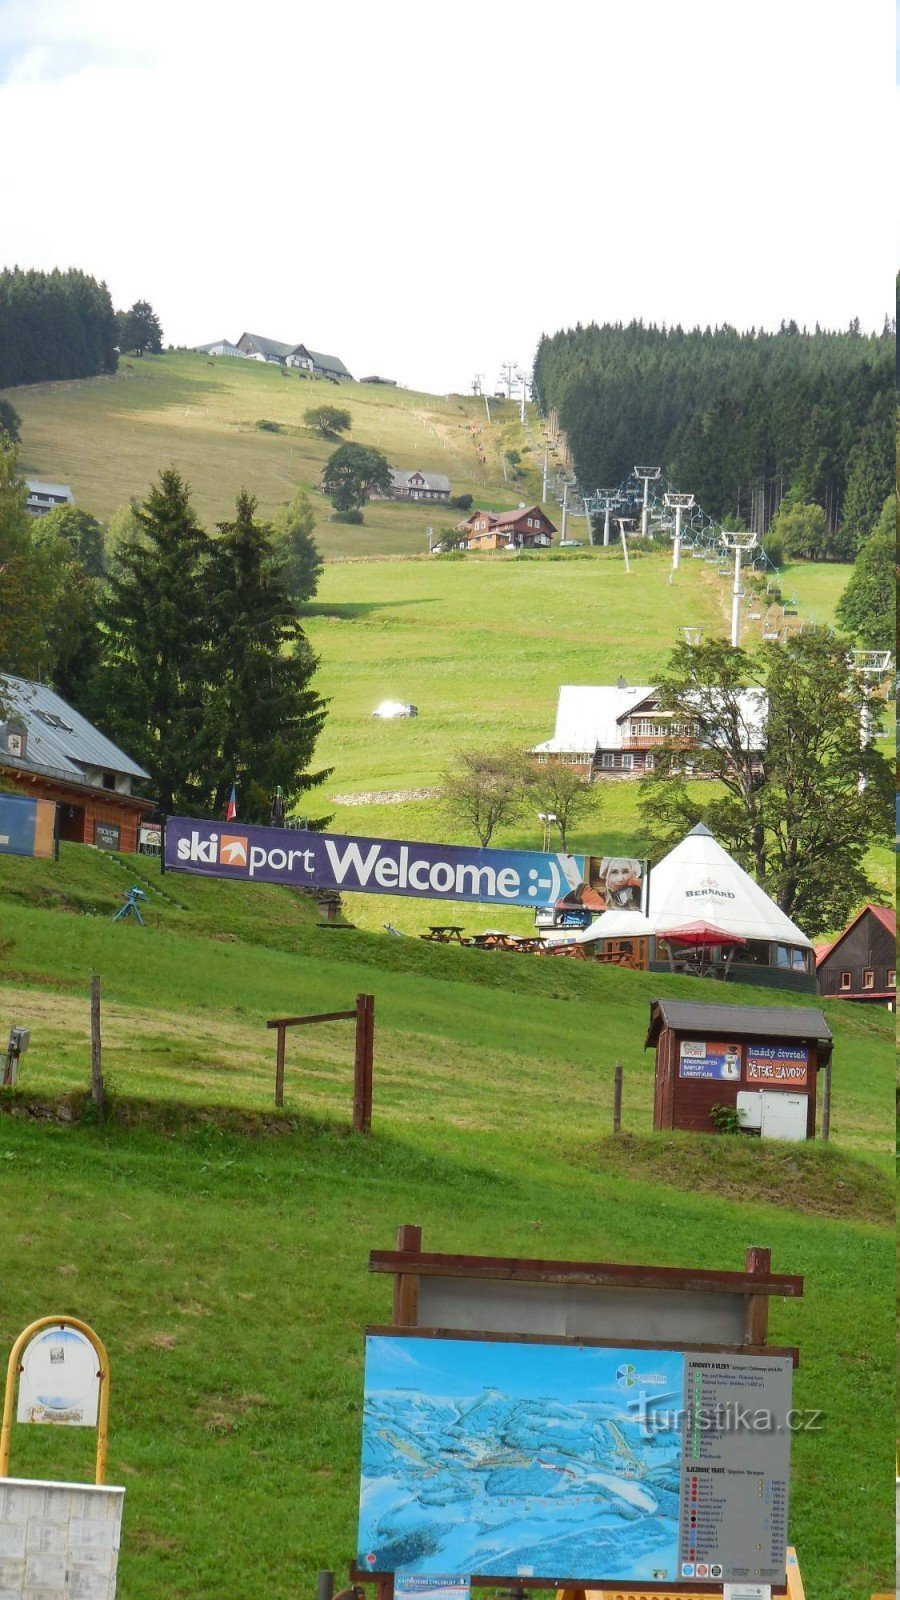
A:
[395,708]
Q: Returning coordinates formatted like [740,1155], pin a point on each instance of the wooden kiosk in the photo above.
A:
[763,1060]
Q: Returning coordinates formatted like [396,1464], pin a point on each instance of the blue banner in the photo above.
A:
[380,866]
[27,827]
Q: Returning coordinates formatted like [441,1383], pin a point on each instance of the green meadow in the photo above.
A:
[109,437]
[220,1247]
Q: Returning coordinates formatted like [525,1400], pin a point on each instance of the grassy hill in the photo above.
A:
[110,436]
[220,1248]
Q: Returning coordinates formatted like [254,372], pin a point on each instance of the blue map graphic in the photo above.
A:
[519,1460]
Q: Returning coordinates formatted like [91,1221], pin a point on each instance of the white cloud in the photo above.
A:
[423,190]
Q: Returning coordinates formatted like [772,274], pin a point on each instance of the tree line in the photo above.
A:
[183,646]
[739,419]
[63,325]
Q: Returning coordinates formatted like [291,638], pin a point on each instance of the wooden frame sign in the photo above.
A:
[571,1447]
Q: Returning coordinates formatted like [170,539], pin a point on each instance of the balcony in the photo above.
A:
[652,741]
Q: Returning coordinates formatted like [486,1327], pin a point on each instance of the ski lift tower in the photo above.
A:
[692,635]
[678,503]
[605,503]
[623,523]
[869,666]
[739,543]
[646,476]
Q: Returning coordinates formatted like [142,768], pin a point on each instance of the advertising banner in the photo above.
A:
[27,827]
[778,1066]
[709,1058]
[572,1464]
[400,867]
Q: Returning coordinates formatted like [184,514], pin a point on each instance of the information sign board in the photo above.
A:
[709,1058]
[59,1541]
[28,827]
[777,1066]
[59,1380]
[573,1463]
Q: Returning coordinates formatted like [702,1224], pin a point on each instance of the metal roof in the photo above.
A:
[220,347]
[59,737]
[432,480]
[771,1022]
[587,717]
[37,486]
[327,363]
[267,347]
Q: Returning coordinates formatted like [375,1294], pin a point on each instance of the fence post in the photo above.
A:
[96,1059]
[369,1063]
[758,1261]
[826,1104]
[359,1066]
[279,1064]
[617,1099]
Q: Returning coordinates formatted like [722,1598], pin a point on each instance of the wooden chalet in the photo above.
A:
[615,730]
[49,751]
[43,497]
[430,487]
[527,528]
[861,963]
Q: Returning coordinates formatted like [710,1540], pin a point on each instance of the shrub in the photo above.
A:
[725,1118]
[354,518]
[461,502]
[265,426]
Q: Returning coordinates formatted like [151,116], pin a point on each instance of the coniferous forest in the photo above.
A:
[54,325]
[739,419]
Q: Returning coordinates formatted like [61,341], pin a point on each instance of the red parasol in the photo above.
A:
[700,933]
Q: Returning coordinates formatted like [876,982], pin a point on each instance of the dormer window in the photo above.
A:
[14,738]
[53,721]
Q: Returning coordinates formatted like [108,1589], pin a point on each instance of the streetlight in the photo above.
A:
[738,542]
[546,819]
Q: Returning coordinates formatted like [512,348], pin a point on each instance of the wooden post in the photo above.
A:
[406,1284]
[96,1060]
[617,1099]
[369,1062]
[279,1064]
[359,1067]
[826,1103]
[757,1260]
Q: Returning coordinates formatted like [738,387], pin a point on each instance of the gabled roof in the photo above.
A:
[329,363]
[267,347]
[60,739]
[432,480]
[761,1022]
[222,346]
[38,486]
[505,519]
[588,716]
[886,915]
[700,879]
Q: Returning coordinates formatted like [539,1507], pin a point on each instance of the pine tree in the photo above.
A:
[27,583]
[867,607]
[267,714]
[152,688]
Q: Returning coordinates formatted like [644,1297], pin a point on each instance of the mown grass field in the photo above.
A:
[109,437]
[221,1248]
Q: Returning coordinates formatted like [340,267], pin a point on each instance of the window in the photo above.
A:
[607,760]
[649,762]
[892,978]
[846,980]
[868,978]
[789,958]
[627,762]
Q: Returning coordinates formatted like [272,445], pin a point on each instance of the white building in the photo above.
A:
[614,730]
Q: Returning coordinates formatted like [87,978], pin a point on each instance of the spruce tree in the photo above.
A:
[267,713]
[152,688]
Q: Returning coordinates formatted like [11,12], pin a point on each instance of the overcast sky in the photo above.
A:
[423,189]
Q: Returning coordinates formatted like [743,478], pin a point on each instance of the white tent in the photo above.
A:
[699,881]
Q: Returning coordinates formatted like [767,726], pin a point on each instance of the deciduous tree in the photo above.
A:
[328,421]
[789,804]
[555,787]
[351,474]
[139,330]
[482,790]
[868,607]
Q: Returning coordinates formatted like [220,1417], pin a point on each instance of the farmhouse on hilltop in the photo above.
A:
[51,752]
[260,349]
[220,347]
[524,529]
[613,730]
[314,361]
[416,485]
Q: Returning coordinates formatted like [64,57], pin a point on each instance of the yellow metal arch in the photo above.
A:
[14,1367]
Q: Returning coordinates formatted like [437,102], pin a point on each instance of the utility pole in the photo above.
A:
[680,502]
[646,474]
[738,542]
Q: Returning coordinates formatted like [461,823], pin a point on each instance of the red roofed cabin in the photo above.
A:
[861,964]
[524,529]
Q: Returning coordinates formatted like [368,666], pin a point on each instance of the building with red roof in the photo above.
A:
[861,963]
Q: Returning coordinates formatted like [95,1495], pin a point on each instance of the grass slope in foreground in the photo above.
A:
[221,1249]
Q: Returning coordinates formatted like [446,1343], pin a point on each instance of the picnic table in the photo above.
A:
[444,933]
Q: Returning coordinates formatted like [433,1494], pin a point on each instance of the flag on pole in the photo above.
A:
[231,808]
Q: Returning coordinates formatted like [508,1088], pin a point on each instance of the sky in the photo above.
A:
[423,189]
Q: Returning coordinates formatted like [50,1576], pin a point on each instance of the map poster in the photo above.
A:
[572,1464]
[709,1058]
[778,1065]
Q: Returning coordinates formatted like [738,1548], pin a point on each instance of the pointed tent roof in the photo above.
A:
[698,879]
[615,924]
